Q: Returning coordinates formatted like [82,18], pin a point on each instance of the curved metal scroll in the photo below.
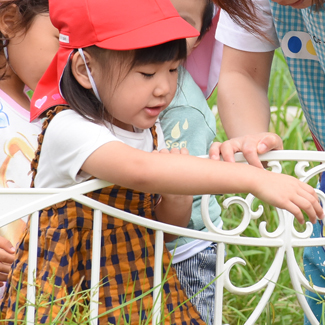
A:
[285,237]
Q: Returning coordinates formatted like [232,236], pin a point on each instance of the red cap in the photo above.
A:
[109,24]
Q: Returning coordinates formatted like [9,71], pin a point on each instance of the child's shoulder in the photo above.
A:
[188,96]
[66,124]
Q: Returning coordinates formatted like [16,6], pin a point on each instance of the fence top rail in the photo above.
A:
[27,201]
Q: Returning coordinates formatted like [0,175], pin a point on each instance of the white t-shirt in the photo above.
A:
[70,139]
[18,142]
[231,34]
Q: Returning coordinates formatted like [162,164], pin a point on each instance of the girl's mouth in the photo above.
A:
[153,111]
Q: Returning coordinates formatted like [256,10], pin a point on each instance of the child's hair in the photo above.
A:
[28,9]
[207,18]
[84,102]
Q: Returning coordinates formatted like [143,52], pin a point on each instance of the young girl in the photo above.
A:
[117,70]
[29,43]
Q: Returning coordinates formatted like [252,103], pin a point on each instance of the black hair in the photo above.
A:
[207,18]
[85,103]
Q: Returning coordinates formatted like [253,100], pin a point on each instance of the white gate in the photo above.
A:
[16,203]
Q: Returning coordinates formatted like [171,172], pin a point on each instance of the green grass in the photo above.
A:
[283,307]
[73,309]
[282,91]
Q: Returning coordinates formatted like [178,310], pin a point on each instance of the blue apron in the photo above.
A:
[302,37]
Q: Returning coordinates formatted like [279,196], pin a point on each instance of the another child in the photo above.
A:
[117,70]
[29,43]
[189,123]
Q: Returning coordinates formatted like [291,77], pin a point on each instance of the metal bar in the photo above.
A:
[32,267]
[95,266]
[159,247]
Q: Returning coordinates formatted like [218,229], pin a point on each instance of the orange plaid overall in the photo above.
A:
[65,258]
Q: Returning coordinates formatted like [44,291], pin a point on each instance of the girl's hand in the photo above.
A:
[251,146]
[287,192]
[174,209]
[7,252]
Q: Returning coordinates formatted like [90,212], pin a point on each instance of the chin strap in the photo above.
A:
[91,79]
[5,43]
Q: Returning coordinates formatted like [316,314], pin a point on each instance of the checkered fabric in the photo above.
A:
[127,261]
[302,36]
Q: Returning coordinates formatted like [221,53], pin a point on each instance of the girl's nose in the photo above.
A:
[162,89]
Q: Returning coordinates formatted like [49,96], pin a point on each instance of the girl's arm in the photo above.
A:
[174,209]
[188,175]
[243,105]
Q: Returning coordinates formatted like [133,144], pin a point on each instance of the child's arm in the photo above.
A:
[188,175]
[174,209]
[7,257]
[9,238]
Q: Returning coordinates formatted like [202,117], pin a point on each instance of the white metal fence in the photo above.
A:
[16,203]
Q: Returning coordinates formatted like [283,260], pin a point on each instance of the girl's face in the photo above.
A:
[297,4]
[31,53]
[191,11]
[138,98]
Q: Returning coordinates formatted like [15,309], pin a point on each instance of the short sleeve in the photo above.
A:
[69,140]
[231,34]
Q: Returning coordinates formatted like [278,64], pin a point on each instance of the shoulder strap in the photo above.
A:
[154,137]
[50,115]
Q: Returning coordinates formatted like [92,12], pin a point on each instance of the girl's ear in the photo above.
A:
[79,70]
[8,20]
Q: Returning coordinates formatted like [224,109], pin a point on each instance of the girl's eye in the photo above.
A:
[147,75]
[173,70]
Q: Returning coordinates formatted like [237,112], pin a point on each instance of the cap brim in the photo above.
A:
[47,93]
[156,33]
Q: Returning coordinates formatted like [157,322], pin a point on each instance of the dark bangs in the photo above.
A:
[170,51]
